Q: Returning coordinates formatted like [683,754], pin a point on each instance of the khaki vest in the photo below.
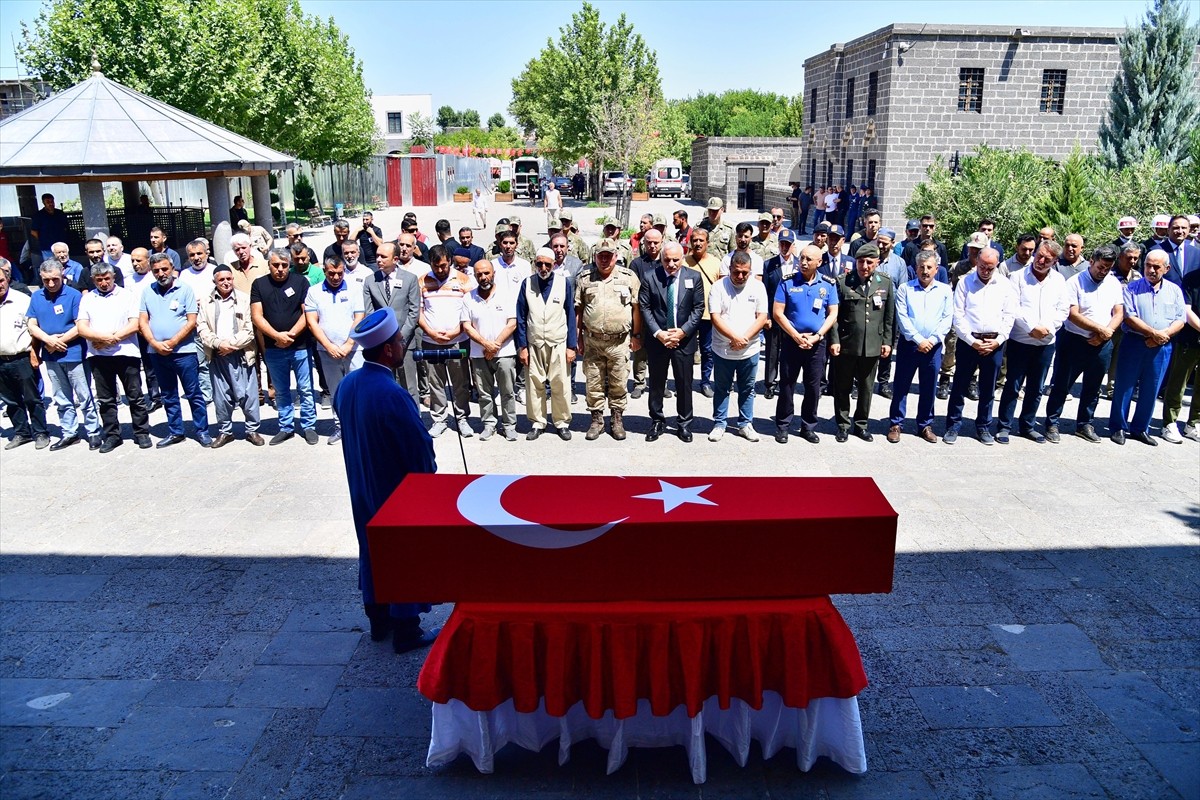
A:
[546,322]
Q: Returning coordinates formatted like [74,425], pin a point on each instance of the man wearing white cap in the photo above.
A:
[1194,228]
[1159,226]
[383,440]
[546,342]
[1126,226]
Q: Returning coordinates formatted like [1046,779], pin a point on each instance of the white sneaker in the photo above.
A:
[1170,433]
[438,429]
[464,429]
[716,433]
[746,432]
[487,433]
[1191,432]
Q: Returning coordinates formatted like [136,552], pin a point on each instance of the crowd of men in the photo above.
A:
[508,326]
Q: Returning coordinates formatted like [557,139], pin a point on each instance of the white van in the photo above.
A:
[666,178]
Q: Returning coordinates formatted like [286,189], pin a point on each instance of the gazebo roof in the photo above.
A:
[101,130]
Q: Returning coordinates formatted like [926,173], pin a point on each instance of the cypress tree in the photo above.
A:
[1153,102]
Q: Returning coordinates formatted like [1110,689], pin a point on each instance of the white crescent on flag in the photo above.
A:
[480,502]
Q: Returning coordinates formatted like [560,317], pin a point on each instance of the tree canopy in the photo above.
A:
[261,68]
[1153,103]
[558,92]
[743,112]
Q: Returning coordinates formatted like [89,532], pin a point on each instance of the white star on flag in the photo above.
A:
[673,496]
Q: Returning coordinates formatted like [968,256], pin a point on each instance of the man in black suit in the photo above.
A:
[670,335]
[399,289]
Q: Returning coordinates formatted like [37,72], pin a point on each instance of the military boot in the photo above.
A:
[597,426]
[618,425]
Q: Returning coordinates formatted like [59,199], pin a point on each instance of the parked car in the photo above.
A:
[563,184]
[687,184]
[614,183]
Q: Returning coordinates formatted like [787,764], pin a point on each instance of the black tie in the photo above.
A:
[387,290]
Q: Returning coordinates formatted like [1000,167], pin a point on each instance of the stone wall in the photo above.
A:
[917,117]
[716,160]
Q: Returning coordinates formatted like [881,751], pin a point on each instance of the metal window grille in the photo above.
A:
[1054,91]
[970,89]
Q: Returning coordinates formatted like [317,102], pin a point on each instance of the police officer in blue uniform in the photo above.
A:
[805,309]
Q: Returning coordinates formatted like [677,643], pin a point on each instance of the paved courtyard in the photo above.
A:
[185,623]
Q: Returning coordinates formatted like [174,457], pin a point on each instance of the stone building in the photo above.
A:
[880,108]
[747,172]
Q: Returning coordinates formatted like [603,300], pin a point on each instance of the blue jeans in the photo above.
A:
[910,362]
[281,364]
[1027,365]
[171,371]
[726,372]
[966,360]
[70,383]
[706,352]
[1076,357]
[1143,367]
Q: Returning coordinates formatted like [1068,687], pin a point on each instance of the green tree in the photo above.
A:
[478,137]
[557,94]
[1070,204]
[447,117]
[422,129]
[1000,184]
[1153,102]
[231,75]
[496,121]
[469,118]
[744,112]
[302,192]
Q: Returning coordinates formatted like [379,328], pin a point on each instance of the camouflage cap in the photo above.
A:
[659,219]
[502,227]
[715,204]
[606,245]
[765,217]
[612,221]
[567,215]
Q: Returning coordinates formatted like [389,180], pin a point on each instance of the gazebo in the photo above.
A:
[99,131]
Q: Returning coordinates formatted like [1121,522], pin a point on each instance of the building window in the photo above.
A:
[970,89]
[870,180]
[849,172]
[849,98]
[812,173]
[828,174]
[872,93]
[812,108]
[395,121]
[1054,91]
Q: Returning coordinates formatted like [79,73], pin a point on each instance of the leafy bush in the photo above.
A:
[504,187]
[462,190]
[639,185]
[303,193]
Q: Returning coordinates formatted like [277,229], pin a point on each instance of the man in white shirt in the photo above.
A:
[508,268]
[738,308]
[355,273]
[406,248]
[1042,308]
[333,307]
[18,380]
[108,319]
[743,236]
[443,290]
[552,203]
[116,257]
[197,275]
[984,309]
[490,320]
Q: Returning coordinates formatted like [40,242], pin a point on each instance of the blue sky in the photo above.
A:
[466,53]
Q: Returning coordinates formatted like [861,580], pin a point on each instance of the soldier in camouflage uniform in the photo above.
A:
[609,328]
[525,248]
[720,232]
[575,242]
[612,230]
[660,224]
[765,243]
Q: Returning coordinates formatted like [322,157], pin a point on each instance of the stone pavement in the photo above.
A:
[185,624]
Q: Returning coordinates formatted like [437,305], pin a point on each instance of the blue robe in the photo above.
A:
[382,441]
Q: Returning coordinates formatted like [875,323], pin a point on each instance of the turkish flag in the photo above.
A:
[547,538]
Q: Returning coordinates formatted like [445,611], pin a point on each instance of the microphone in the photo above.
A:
[438,356]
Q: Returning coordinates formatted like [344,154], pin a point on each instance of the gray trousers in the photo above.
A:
[337,368]
[206,387]
[492,374]
[234,385]
[448,372]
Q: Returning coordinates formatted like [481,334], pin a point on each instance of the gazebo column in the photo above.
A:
[131,191]
[27,199]
[95,216]
[219,203]
[260,188]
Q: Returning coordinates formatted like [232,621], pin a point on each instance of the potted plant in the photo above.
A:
[462,195]
[504,192]
[639,190]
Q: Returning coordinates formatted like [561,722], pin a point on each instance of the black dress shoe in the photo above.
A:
[885,390]
[406,643]
[656,430]
[810,436]
[864,434]
[943,391]
[685,435]
[563,433]
[18,441]
[843,434]
[170,440]
[973,391]
[1144,438]
[110,443]
[94,442]
[769,393]
[781,437]
[142,440]
[65,442]
[533,434]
